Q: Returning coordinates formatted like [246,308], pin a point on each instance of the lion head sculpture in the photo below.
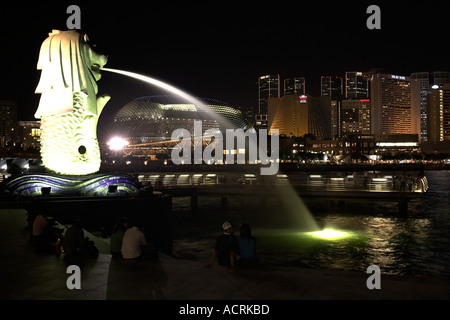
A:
[68,65]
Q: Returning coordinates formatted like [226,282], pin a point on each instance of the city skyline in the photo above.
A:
[221,52]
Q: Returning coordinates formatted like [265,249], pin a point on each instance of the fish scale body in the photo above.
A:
[62,136]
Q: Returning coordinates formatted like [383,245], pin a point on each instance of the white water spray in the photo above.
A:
[157,83]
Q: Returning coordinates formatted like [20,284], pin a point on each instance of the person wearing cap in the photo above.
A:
[226,247]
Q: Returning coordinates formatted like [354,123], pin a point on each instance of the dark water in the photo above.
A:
[418,244]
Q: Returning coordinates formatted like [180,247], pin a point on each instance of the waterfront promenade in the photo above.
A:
[385,186]
[26,275]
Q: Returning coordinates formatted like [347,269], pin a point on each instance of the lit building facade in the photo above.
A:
[395,105]
[372,146]
[350,116]
[426,81]
[355,117]
[8,121]
[356,85]
[30,133]
[446,111]
[435,115]
[289,114]
[296,115]
[335,115]
[295,86]
[268,87]
[331,86]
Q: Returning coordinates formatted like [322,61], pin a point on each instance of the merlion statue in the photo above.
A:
[69,107]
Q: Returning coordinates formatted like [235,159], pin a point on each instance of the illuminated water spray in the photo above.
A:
[155,82]
[298,213]
[167,87]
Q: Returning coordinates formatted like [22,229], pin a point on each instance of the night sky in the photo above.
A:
[218,49]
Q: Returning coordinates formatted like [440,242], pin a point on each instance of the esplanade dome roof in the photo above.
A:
[159,115]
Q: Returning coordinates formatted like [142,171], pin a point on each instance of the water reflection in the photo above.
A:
[414,245]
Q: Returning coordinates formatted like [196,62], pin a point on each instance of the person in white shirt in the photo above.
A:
[133,241]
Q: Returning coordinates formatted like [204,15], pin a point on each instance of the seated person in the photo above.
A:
[75,244]
[247,247]
[40,226]
[133,243]
[43,234]
[118,232]
[226,248]
[74,239]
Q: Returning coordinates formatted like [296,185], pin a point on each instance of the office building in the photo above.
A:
[435,114]
[335,118]
[29,132]
[349,117]
[289,114]
[331,86]
[440,78]
[294,86]
[296,115]
[8,122]
[446,111]
[268,87]
[355,117]
[395,104]
[426,81]
[356,85]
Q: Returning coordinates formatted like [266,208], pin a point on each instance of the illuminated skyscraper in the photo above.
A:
[446,111]
[426,81]
[438,111]
[441,77]
[331,86]
[8,121]
[356,85]
[435,114]
[395,104]
[268,87]
[294,85]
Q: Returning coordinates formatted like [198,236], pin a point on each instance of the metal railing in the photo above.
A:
[353,182]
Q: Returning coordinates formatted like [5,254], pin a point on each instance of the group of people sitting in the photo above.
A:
[130,242]
[235,252]
[47,237]
[126,242]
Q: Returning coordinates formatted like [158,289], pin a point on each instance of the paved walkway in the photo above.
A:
[25,275]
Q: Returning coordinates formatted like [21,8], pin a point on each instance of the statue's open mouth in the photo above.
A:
[95,67]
